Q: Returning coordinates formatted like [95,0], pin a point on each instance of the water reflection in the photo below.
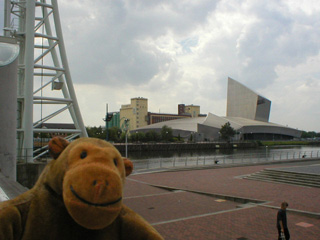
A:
[221,152]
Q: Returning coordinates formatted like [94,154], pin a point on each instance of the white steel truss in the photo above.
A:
[42,63]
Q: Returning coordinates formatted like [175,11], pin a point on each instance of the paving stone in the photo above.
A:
[202,217]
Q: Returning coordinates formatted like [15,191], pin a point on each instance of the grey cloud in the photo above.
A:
[105,49]
[277,38]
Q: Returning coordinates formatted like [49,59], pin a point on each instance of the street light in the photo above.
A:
[126,136]
[107,120]
[239,136]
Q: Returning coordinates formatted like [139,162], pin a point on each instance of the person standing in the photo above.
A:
[282,222]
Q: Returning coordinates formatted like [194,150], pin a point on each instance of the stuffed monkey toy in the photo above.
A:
[77,196]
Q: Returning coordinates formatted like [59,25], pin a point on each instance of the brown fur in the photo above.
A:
[78,196]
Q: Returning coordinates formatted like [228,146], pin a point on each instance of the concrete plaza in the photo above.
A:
[218,203]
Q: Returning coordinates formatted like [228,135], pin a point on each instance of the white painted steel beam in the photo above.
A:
[27,123]
[78,120]
[64,100]
[49,117]
[57,130]
[41,63]
[75,114]
[49,67]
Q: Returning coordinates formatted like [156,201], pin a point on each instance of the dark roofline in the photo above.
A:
[57,126]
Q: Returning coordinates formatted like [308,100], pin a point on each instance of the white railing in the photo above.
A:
[176,162]
[180,162]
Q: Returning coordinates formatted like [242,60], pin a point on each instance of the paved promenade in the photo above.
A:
[219,204]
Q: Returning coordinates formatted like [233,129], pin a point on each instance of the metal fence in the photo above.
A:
[180,162]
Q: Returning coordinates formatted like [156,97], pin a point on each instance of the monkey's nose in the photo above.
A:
[100,186]
[99,182]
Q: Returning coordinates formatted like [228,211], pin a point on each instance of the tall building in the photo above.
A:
[191,110]
[136,112]
[162,117]
[115,120]
[245,103]
[247,112]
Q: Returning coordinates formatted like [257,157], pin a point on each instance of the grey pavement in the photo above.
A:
[310,169]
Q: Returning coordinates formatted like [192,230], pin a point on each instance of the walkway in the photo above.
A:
[225,205]
[218,203]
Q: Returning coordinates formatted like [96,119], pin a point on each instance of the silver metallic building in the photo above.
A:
[245,103]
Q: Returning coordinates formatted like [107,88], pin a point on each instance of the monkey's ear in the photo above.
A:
[128,165]
[57,145]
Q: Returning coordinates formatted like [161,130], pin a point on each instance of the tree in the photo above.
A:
[96,132]
[227,132]
[191,137]
[179,137]
[123,137]
[310,134]
[132,137]
[152,136]
[166,134]
[114,134]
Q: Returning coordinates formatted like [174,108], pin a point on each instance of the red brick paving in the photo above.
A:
[223,181]
[176,205]
[256,223]
[201,217]
[132,188]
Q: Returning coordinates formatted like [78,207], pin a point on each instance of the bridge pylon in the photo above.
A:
[45,88]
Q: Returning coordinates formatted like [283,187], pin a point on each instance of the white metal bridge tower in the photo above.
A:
[45,88]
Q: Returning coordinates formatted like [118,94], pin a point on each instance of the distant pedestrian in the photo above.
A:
[282,222]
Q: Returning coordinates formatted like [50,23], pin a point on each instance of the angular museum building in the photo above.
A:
[245,103]
[247,112]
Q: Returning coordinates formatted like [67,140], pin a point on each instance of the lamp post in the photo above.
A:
[239,136]
[126,136]
[266,151]
[107,120]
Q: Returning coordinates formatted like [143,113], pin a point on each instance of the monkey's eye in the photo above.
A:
[115,162]
[83,155]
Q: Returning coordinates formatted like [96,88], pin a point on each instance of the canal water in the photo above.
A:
[268,151]
[146,161]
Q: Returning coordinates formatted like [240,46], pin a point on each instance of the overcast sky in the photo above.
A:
[183,51]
